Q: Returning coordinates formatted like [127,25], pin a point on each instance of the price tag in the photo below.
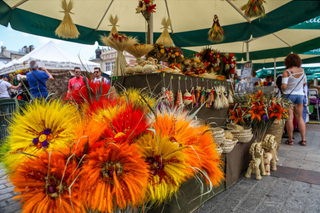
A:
[215,82]
[164,74]
[117,77]
[179,78]
[172,77]
[186,78]
[202,79]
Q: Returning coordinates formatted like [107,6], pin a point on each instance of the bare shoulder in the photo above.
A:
[285,74]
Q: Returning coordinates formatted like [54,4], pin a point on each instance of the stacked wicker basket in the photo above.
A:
[224,145]
[244,134]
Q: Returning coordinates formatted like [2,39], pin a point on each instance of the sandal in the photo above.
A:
[289,142]
[303,143]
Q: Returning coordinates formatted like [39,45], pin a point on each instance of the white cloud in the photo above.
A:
[45,40]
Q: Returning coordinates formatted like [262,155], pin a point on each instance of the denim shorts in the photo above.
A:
[295,99]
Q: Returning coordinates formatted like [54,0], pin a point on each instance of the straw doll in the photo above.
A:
[165,38]
[216,33]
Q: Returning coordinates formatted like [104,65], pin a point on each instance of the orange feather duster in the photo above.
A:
[43,184]
[113,177]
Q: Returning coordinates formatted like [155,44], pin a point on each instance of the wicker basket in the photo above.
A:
[219,140]
[243,138]
[276,129]
[227,149]
[246,130]
[217,131]
[230,142]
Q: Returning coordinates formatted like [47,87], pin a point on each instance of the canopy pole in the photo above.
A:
[281,39]
[248,55]
[151,29]
[275,69]
[105,13]
[169,16]
[18,4]
[239,11]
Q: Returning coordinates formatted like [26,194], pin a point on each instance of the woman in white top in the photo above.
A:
[293,81]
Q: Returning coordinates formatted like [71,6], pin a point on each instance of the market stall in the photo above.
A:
[165,134]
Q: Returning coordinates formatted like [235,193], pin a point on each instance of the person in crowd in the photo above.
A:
[305,103]
[268,81]
[5,86]
[293,81]
[77,81]
[37,80]
[98,77]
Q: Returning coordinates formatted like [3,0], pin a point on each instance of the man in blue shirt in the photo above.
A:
[37,80]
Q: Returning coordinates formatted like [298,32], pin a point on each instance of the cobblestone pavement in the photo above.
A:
[269,195]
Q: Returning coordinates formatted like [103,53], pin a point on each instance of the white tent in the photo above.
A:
[1,64]
[51,57]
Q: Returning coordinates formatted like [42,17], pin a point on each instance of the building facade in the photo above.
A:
[9,55]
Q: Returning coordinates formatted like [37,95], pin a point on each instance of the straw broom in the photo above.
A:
[119,42]
[67,29]
[165,38]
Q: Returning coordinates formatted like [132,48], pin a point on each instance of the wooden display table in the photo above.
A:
[189,196]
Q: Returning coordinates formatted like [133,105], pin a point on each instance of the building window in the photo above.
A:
[109,66]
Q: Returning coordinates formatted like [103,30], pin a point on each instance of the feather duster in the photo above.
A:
[166,166]
[180,129]
[89,92]
[114,25]
[67,29]
[127,124]
[48,183]
[114,176]
[165,38]
[42,126]
[138,97]
[210,159]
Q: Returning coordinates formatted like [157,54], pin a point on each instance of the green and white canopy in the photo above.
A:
[191,21]
[310,69]
[300,38]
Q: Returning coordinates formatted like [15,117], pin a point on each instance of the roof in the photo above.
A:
[4,57]
[96,59]
[16,52]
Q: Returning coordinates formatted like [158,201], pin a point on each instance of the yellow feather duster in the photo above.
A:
[135,96]
[41,126]
[167,167]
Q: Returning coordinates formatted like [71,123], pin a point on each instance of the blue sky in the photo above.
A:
[15,40]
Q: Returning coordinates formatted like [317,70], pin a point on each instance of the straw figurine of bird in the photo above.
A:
[114,21]
[67,29]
